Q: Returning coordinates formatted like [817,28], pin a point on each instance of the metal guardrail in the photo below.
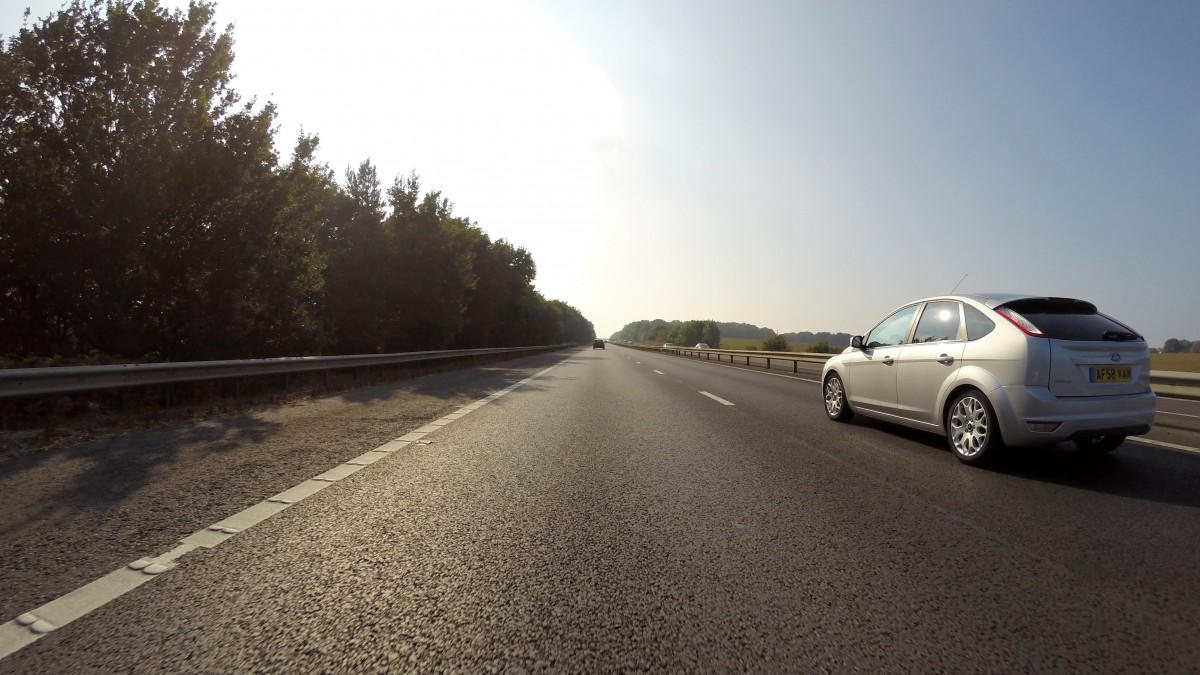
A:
[795,357]
[1170,383]
[1164,382]
[17,382]
[738,354]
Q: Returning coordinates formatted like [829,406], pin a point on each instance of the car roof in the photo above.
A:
[990,300]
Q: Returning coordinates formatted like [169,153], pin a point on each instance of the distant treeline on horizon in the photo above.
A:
[1178,346]
[750,331]
[712,332]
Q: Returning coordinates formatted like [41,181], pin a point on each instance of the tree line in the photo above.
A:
[1177,346]
[752,332]
[658,331]
[146,214]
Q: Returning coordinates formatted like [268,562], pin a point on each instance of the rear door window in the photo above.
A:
[940,321]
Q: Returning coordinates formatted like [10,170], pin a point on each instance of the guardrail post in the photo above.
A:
[795,366]
[768,363]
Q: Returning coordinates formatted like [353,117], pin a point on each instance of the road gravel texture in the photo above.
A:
[605,517]
[73,512]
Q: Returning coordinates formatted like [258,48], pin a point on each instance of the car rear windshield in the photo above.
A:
[1067,319]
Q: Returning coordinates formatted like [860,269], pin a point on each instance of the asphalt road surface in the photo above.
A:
[613,510]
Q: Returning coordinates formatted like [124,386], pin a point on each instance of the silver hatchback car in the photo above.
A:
[989,370]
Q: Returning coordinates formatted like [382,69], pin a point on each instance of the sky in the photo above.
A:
[800,165]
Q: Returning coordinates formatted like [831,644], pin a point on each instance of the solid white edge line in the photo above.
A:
[1164,444]
[716,398]
[1164,412]
[30,626]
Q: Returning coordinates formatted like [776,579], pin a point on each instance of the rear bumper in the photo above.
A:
[1077,417]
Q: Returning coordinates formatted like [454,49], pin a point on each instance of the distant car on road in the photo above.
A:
[598,344]
[701,345]
[668,344]
[989,370]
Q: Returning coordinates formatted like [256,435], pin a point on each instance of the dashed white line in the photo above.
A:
[32,625]
[716,398]
[660,372]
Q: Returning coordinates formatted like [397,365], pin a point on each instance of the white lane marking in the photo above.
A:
[660,372]
[1164,444]
[30,626]
[1164,412]
[718,399]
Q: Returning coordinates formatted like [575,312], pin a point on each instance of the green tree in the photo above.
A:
[433,274]
[504,284]
[775,343]
[144,213]
[824,347]
[360,255]
[139,201]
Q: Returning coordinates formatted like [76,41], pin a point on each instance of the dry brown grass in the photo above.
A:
[1180,363]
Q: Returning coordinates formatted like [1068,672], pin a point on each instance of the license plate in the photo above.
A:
[1112,374]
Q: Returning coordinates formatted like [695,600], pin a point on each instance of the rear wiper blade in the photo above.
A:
[1120,336]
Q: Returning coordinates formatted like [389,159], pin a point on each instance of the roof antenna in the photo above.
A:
[957,285]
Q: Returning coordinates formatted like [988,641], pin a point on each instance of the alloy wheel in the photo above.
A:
[970,427]
[835,399]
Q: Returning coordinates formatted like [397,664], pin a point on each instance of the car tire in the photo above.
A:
[1098,445]
[971,428]
[837,408]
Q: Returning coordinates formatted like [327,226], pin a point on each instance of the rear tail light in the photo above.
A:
[1019,321]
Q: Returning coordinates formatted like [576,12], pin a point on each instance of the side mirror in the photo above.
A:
[856,342]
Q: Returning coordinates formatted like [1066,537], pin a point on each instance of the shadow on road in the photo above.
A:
[465,382]
[95,505]
[45,486]
[1134,470]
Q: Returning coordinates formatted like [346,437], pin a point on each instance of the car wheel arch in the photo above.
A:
[987,384]
[844,411]
[957,390]
[841,376]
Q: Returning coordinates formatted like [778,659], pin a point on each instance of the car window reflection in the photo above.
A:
[940,322]
[892,330]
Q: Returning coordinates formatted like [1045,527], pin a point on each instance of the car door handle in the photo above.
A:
[945,359]
[887,360]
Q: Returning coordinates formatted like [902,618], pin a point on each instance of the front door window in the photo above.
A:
[892,330]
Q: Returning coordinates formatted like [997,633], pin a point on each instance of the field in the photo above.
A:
[1180,363]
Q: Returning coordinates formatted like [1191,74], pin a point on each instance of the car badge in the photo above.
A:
[1114,357]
